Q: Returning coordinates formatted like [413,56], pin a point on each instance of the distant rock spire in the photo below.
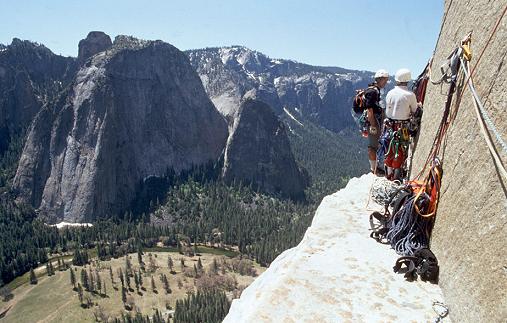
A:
[258,153]
[95,42]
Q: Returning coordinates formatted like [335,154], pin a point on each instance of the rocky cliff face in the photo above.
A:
[133,111]
[337,273]
[320,94]
[30,76]
[258,152]
[95,42]
[470,234]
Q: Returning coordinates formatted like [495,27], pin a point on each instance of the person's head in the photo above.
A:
[402,76]
[381,78]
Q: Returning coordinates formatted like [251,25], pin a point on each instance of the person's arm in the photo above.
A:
[373,121]
[414,104]
[371,102]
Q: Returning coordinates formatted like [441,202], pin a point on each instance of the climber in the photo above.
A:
[374,114]
[401,104]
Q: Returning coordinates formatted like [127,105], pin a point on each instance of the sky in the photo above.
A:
[362,34]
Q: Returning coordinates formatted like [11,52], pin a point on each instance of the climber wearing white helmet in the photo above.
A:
[401,104]
[372,103]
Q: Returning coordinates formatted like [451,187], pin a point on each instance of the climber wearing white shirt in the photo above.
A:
[401,104]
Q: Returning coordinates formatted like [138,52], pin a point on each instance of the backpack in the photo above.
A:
[359,101]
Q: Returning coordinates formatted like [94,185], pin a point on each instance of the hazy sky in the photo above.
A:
[365,34]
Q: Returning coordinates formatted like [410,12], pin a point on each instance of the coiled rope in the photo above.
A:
[408,233]
[383,189]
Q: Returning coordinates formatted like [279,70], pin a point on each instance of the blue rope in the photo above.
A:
[409,232]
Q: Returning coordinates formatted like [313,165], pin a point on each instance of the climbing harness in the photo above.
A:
[363,123]
[395,143]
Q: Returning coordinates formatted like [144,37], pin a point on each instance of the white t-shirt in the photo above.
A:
[400,102]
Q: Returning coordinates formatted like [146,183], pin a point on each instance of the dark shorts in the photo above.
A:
[373,140]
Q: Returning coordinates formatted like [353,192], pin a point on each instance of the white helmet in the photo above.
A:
[381,73]
[403,75]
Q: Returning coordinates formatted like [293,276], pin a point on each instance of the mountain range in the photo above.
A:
[128,110]
[319,94]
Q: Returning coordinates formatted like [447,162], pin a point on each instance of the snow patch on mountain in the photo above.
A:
[292,117]
[64,224]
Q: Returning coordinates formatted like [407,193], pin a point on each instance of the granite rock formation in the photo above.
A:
[470,234]
[258,153]
[337,273]
[95,42]
[133,111]
[30,76]
[320,94]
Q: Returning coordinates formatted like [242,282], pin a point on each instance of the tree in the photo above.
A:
[152,263]
[51,268]
[199,264]
[170,265]
[33,278]
[61,264]
[209,306]
[140,277]
[127,280]
[80,293]
[153,286]
[88,301]
[128,266]
[80,257]
[136,281]
[123,295]
[180,283]
[91,281]
[99,281]
[165,281]
[73,279]
[120,274]
[157,318]
[6,293]
[100,314]
[140,257]
[214,266]
[180,249]
[111,274]
[182,264]
[84,280]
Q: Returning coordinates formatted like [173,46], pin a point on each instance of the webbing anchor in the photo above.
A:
[465,45]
